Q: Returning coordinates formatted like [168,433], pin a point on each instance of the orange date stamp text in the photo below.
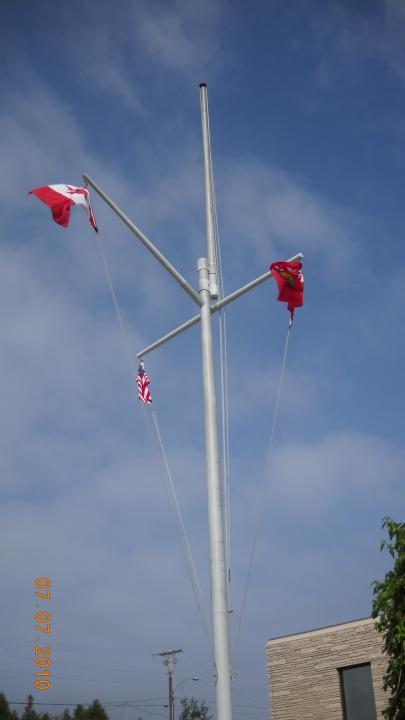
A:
[42,652]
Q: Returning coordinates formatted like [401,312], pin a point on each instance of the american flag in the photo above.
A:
[143,381]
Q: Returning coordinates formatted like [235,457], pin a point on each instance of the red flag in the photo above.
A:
[290,281]
[60,198]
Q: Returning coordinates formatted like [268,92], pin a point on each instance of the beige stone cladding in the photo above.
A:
[303,670]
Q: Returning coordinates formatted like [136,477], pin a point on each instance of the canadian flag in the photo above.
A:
[60,199]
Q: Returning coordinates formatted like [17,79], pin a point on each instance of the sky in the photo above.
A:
[307,107]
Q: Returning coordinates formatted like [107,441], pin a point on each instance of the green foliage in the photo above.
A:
[95,711]
[192,708]
[79,713]
[29,712]
[5,713]
[389,610]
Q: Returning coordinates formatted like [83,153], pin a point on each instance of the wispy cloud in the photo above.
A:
[183,38]
[81,490]
[266,209]
[344,467]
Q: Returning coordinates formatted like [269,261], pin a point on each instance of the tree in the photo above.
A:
[95,711]
[5,713]
[79,713]
[389,610]
[192,708]
[29,712]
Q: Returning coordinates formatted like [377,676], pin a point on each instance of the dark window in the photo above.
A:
[357,692]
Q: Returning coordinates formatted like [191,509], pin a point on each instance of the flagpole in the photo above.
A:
[208,288]
[207,284]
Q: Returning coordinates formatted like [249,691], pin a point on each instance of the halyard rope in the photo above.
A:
[167,475]
[178,518]
[262,494]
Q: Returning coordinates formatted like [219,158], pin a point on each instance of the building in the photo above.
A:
[333,673]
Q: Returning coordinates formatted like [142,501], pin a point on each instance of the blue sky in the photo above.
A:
[307,103]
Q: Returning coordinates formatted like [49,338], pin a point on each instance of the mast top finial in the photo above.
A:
[202,84]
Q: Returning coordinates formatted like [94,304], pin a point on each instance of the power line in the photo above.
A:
[62,676]
[133,703]
[69,677]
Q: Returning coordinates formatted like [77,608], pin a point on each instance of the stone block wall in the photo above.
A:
[303,670]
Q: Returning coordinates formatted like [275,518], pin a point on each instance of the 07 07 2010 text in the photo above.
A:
[42,659]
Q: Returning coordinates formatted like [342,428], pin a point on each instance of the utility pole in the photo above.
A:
[208,291]
[169,659]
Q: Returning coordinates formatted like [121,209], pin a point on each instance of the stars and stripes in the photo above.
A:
[143,383]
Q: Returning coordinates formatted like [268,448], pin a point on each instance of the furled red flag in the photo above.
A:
[60,199]
[143,382]
[290,281]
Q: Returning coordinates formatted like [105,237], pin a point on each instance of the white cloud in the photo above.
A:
[393,44]
[265,209]
[114,54]
[347,467]
[183,37]
[347,39]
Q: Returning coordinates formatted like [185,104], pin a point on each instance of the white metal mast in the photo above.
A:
[207,284]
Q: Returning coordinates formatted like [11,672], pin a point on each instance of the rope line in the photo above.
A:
[118,315]
[260,507]
[169,485]
[225,438]
[223,351]
[188,555]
